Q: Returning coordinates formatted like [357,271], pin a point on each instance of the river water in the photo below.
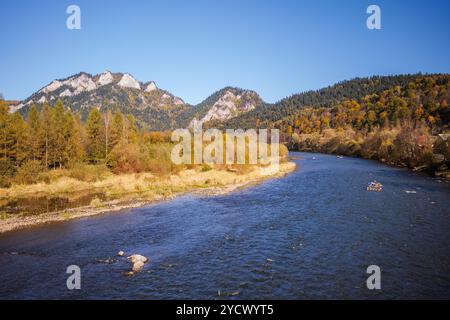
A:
[309,235]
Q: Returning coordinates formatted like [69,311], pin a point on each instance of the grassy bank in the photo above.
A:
[129,190]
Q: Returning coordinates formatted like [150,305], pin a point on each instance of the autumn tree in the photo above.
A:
[5,139]
[61,132]
[117,129]
[95,132]
[75,138]
[34,134]
[131,131]
[47,134]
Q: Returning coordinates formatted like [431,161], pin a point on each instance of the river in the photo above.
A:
[309,235]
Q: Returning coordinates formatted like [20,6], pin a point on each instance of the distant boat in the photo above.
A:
[340,157]
[375,186]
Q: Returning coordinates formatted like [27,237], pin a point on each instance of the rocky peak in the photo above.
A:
[54,85]
[81,83]
[151,87]
[230,102]
[128,81]
[105,78]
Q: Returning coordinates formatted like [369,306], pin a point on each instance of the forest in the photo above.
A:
[56,138]
[401,120]
[404,125]
[53,142]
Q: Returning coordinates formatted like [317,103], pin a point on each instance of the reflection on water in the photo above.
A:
[38,205]
[309,235]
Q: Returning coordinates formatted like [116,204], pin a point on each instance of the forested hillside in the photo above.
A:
[356,89]
[402,120]
[405,125]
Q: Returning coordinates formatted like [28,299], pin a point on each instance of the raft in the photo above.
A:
[375,186]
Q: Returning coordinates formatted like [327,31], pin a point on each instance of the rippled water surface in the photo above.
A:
[309,235]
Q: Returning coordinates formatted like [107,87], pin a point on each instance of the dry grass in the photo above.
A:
[133,190]
[146,185]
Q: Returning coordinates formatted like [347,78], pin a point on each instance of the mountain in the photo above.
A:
[230,107]
[225,104]
[355,89]
[154,108]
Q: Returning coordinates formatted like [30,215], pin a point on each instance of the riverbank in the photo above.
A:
[120,192]
[441,174]
[404,147]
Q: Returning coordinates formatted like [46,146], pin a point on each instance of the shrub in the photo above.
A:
[283,150]
[6,173]
[413,145]
[125,158]
[206,168]
[89,173]
[156,158]
[28,173]
[96,202]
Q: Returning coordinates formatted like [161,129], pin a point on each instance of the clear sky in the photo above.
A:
[193,48]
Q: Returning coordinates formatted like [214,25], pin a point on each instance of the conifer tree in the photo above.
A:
[117,128]
[4,129]
[34,134]
[18,151]
[107,118]
[47,134]
[95,136]
[74,145]
[60,134]
[131,130]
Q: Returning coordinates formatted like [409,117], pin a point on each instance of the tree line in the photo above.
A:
[400,125]
[56,138]
[423,101]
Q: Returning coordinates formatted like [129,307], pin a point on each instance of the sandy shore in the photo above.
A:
[192,181]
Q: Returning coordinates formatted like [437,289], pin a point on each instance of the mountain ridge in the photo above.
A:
[153,107]
[158,109]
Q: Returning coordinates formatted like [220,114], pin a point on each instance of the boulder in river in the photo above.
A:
[120,253]
[138,261]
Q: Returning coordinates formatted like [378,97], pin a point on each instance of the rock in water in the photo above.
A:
[138,262]
[120,253]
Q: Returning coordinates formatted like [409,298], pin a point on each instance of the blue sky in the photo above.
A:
[193,48]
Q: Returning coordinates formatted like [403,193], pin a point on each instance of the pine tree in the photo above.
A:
[6,167]
[60,134]
[34,134]
[17,132]
[5,139]
[117,128]
[131,130]
[47,134]
[95,136]
[107,117]
[73,151]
